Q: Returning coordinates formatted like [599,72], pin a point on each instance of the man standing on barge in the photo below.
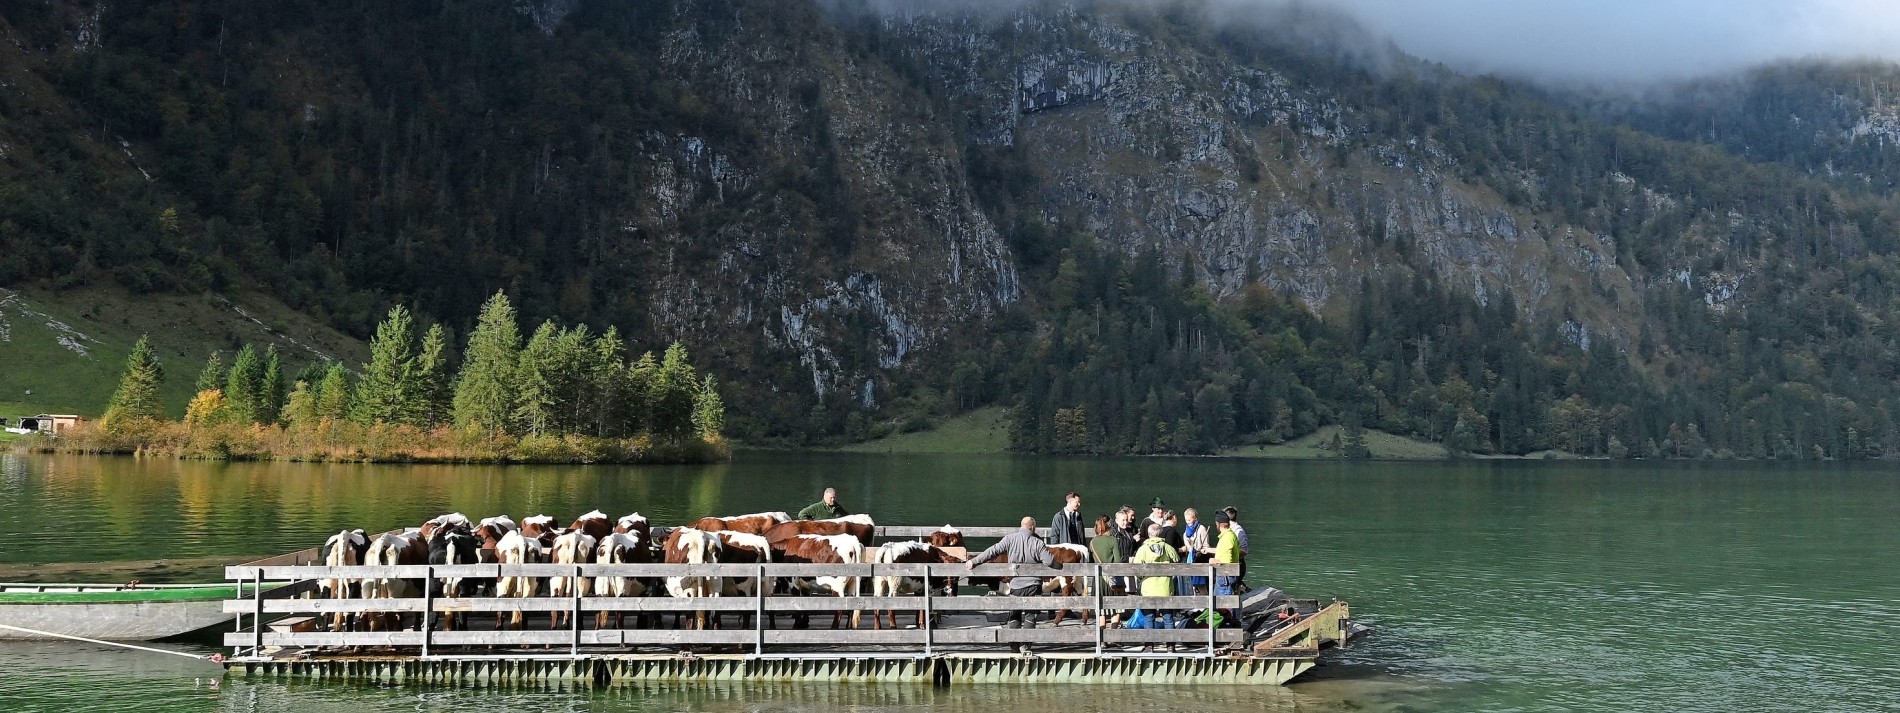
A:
[1066,527]
[1023,547]
[824,509]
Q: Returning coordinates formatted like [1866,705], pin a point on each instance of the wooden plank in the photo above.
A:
[843,637]
[1184,602]
[923,532]
[771,604]
[1168,570]
[704,570]
[328,638]
[498,604]
[1008,603]
[1175,636]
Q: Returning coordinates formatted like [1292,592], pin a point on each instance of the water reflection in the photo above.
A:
[1492,586]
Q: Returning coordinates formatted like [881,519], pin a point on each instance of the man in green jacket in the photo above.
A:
[1157,550]
[824,509]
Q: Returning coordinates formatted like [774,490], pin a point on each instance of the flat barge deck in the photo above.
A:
[282,629]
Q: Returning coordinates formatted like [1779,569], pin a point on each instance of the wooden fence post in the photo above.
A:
[758,609]
[575,648]
[257,616]
[428,611]
[929,608]
[1101,624]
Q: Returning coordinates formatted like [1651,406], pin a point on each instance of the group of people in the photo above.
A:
[1161,537]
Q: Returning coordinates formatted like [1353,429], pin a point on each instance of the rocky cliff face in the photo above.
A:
[826,193]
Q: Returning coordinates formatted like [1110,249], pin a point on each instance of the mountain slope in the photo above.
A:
[1133,220]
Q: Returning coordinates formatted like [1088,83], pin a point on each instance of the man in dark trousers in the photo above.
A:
[825,509]
[1066,527]
[1023,547]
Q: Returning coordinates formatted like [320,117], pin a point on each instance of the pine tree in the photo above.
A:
[674,388]
[300,408]
[709,412]
[382,391]
[333,394]
[137,396]
[429,396]
[213,375]
[271,395]
[637,394]
[534,377]
[485,388]
[605,394]
[244,389]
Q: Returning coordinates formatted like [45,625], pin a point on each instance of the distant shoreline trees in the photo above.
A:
[566,395]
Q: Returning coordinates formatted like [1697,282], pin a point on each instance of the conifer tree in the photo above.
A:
[535,375]
[271,395]
[485,388]
[637,394]
[213,375]
[675,387]
[245,386]
[606,391]
[429,395]
[383,390]
[300,408]
[709,412]
[333,394]
[137,396]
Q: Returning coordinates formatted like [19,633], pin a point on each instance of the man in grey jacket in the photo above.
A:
[1022,547]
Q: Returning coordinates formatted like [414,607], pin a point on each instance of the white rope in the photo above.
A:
[215,658]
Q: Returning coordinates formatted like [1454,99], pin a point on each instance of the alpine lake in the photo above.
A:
[1490,586]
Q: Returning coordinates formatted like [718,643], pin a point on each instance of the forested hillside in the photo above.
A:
[1145,227]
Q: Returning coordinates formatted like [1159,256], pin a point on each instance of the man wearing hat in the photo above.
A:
[1158,514]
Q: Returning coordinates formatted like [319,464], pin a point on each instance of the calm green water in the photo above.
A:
[1492,586]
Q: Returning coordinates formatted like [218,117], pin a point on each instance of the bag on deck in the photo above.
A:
[1139,620]
[1209,618]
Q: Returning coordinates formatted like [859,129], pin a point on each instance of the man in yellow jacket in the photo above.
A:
[1156,549]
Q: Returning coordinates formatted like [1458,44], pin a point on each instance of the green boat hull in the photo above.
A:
[110,613]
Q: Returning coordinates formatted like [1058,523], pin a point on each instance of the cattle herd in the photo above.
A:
[773,537]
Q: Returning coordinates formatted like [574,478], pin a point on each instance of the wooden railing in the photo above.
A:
[260,603]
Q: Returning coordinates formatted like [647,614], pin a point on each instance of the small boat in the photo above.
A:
[111,612]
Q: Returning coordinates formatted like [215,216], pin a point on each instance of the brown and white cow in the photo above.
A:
[1068,585]
[540,527]
[686,545]
[635,524]
[449,520]
[823,549]
[756,523]
[343,549]
[516,549]
[946,536]
[392,549]
[895,586]
[742,548]
[860,527]
[621,548]
[490,531]
[574,547]
[595,524]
